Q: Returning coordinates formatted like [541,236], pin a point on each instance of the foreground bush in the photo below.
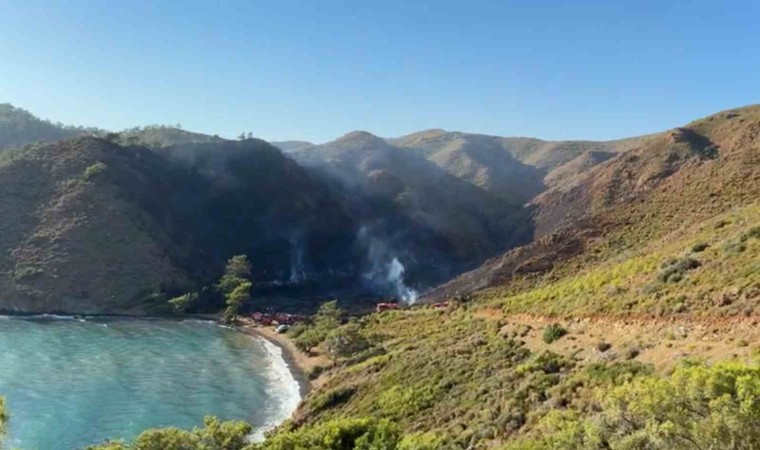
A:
[215,435]
[697,407]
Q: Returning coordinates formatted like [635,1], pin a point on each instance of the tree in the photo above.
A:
[346,341]
[237,271]
[250,135]
[242,136]
[236,286]
[235,299]
[329,314]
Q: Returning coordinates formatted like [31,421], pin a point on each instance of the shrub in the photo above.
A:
[339,434]
[753,233]
[553,332]
[734,247]
[333,398]
[673,270]
[94,170]
[697,407]
[184,302]
[603,346]
[700,247]
[346,341]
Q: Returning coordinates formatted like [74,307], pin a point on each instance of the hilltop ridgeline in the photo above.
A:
[116,222]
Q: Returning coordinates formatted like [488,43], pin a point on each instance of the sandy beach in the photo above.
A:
[299,362]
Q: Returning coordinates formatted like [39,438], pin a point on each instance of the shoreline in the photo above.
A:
[298,362]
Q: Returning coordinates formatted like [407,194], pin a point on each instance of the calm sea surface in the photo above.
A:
[71,383]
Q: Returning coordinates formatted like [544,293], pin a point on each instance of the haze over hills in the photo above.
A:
[331,219]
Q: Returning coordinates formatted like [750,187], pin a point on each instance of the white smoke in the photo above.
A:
[385,272]
[297,267]
[396,277]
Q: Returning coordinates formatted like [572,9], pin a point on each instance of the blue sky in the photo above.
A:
[315,70]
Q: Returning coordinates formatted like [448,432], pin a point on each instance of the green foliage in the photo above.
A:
[342,434]
[399,402]
[94,170]
[553,332]
[700,247]
[237,271]
[327,319]
[235,299]
[697,407]
[346,341]
[184,302]
[674,270]
[332,398]
[236,286]
[214,435]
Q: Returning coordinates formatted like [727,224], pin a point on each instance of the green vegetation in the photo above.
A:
[553,332]
[697,407]
[650,277]
[236,286]
[94,170]
[215,435]
[184,302]
[310,335]
[674,270]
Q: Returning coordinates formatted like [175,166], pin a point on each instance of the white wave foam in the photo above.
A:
[51,317]
[287,392]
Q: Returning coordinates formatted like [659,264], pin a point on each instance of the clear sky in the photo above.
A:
[315,70]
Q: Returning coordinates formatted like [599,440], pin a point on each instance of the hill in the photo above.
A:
[594,334]
[93,227]
[157,136]
[19,127]
[479,160]
[82,229]
[434,221]
[675,180]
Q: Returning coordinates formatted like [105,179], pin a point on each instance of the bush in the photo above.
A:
[603,346]
[734,247]
[553,332]
[697,407]
[753,233]
[674,269]
[698,248]
[184,302]
[331,399]
[346,341]
[215,435]
[94,170]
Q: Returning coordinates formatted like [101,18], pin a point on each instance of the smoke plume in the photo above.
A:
[384,272]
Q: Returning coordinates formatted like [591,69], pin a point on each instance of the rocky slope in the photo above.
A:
[672,180]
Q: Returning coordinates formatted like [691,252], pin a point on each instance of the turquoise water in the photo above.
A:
[72,383]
